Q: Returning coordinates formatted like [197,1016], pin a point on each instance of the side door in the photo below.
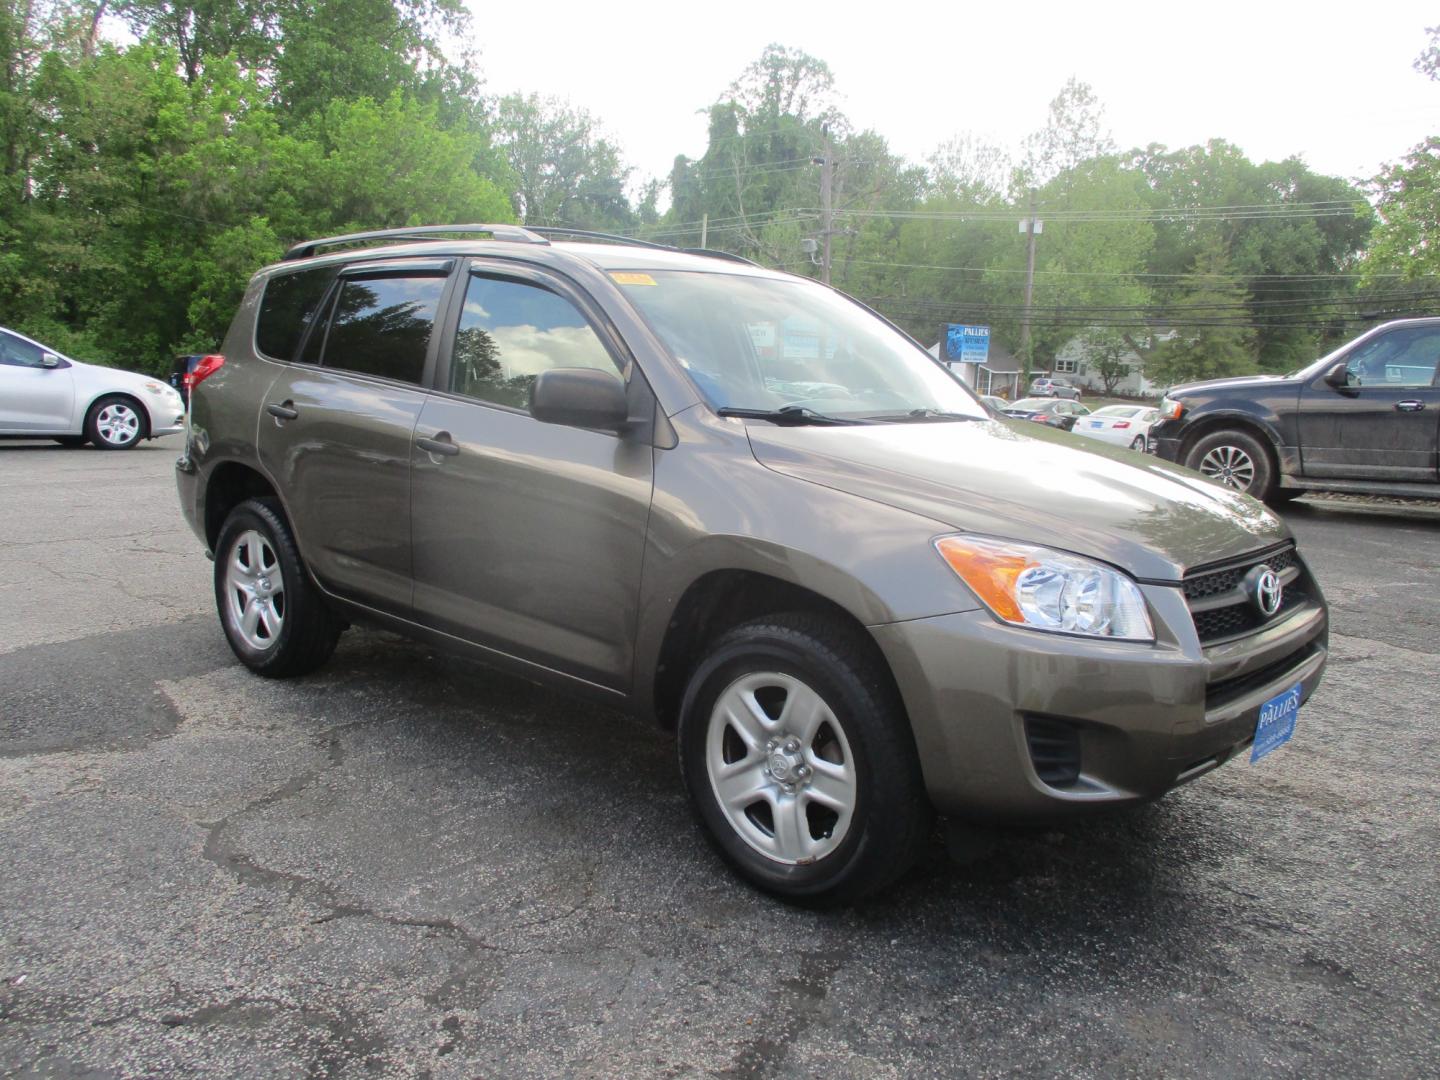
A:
[336,427]
[34,397]
[1383,424]
[528,536]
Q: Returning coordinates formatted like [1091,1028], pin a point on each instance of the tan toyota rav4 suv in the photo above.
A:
[748,507]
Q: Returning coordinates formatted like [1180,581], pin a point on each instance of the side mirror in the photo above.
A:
[1338,376]
[580,397]
[49,360]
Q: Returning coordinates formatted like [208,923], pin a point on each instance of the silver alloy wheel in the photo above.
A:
[781,767]
[1230,465]
[118,424]
[255,590]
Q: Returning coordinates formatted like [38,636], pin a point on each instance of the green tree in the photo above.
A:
[1407,194]
[1292,239]
[566,172]
[1212,344]
[1407,241]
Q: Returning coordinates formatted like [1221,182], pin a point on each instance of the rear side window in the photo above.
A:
[286,309]
[381,325]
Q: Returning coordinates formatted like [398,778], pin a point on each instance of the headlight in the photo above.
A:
[1049,590]
[1170,409]
[156,388]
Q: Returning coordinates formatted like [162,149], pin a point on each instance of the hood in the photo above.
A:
[120,379]
[1224,384]
[1032,484]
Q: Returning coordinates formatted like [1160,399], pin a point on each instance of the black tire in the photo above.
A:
[103,434]
[889,818]
[70,441]
[1236,459]
[307,630]
[1138,443]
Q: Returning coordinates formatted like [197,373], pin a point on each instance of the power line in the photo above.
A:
[1122,274]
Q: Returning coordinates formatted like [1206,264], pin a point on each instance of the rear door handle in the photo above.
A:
[282,412]
[1412,405]
[440,444]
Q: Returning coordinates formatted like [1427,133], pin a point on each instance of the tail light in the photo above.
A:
[204,368]
[1122,423]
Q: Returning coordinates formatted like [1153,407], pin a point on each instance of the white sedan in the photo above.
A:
[1119,425]
[44,394]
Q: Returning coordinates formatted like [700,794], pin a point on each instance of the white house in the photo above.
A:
[999,374]
[1075,362]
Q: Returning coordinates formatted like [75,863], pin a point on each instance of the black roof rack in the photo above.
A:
[586,234]
[714,254]
[513,233]
[631,241]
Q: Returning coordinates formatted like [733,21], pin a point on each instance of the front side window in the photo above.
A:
[286,309]
[381,325]
[510,331]
[1405,357]
[751,342]
[15,352]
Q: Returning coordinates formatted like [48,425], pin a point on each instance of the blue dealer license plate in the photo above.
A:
[1276,723]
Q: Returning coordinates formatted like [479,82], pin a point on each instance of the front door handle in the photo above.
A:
[1410,405]
[282,412]
[441,444]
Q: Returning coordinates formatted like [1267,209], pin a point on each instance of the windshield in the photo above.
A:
[1031,404]
[759,343]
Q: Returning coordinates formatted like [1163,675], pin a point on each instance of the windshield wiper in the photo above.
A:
[923,414]
[789,414]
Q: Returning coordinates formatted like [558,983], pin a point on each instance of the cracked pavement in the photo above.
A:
[408,866]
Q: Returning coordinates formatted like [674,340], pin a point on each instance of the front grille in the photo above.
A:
[1054,750]
[1221,608]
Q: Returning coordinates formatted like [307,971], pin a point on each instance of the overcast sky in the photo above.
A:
[1331,83]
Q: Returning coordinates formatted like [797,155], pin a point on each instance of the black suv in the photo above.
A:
[1365,418]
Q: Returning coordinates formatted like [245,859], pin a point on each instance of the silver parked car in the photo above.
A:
[736,502]
[1046,386]
[46,394]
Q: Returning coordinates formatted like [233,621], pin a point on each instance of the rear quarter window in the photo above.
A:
[287,308]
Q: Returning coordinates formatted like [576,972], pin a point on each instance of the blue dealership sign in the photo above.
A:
[968,344]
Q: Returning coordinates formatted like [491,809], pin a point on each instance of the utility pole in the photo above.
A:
[704,229]
[827,177]
[1030,227]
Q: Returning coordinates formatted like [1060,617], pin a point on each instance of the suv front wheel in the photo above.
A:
[274,618]
[799,761]
[1237,460]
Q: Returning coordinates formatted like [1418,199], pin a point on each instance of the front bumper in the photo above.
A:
[167,415]
[988,701]
[1165,437]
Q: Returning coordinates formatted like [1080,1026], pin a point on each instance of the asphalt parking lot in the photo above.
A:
[404,865]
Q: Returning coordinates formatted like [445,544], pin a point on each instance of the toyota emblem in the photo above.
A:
[1268,592]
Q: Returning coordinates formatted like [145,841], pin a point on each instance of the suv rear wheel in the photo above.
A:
[1237,460]
[799,761]
[274,618]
